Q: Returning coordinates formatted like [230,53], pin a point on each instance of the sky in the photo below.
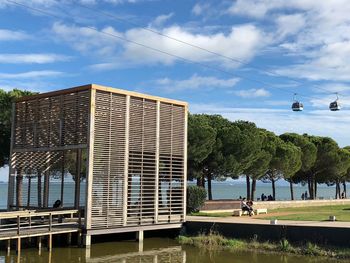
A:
[243,59]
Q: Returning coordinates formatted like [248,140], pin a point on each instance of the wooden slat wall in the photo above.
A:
[108,160]
[171,163]
[142,161]
[51,122]
[43,129]
[112,125]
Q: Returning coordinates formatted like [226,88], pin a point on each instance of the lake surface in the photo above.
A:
[155,250]
[221,190]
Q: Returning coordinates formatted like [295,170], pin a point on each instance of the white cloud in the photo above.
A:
[9,35]
[289,24]
[243,41]
[252,93]
[160,20]
[86,40]
[30,74]
[199,8]
[315,32]
[32,58]
[195,82]
[49,3]
[320,122]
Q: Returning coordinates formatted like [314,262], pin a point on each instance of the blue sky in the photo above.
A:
[289,46]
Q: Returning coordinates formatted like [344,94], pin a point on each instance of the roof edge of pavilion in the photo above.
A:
[102,88]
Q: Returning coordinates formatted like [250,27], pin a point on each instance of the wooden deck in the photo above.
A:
[33,223]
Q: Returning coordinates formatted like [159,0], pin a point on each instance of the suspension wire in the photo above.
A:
[189,61]
[233,59]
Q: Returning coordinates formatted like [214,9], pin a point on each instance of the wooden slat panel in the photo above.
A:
[108,160]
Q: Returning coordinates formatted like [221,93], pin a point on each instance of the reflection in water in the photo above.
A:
[153,250]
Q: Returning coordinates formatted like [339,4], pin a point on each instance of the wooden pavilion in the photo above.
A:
[118,156]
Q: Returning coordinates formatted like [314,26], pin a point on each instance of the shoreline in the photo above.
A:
[216,242]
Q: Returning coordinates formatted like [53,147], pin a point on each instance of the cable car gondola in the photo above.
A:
[297,105]
[334,106]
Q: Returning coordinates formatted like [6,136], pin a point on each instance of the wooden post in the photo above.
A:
[77,180]
[62,179]
[139,235]
[46,188]
[18,247]
[87,241]
[49,243]
[8,247]
[39,190]
[19,184]
[90,158]
[79,237]
[18,225]
[185,167]
[69,239]
[126,162]
[39,244]
[29,189]
[50,222]
[156,189]
[11,180]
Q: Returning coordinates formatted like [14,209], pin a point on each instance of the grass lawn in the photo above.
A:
[311,213]
[314,213]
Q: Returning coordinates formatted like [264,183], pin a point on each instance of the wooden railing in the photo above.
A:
[22,221]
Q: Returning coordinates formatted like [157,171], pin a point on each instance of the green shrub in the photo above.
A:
[285,245]
[196,197]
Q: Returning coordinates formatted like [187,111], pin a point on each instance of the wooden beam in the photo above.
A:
[46,149]
[54,93]
[133,228]
[137,94]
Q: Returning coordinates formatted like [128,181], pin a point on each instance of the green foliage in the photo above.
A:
[308,149]
[213,241]
[201,139]
[6,100]
[285,245]
[196,197]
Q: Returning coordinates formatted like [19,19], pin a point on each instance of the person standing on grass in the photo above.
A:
[306,197]
[302,196]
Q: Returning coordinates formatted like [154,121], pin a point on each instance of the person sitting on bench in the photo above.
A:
[57,204]
[247,206]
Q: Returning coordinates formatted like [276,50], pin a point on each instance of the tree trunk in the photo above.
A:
[203,181]
[291,189]
[39,190]
[337,190]
[309,185]
[273,189]
[248,186]
[344,188]
[210,194]
[252,197]
[311,190]
[315,189]
[199,181]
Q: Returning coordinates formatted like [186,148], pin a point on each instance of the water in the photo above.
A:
[221,190]
[155,250]
[234,189]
